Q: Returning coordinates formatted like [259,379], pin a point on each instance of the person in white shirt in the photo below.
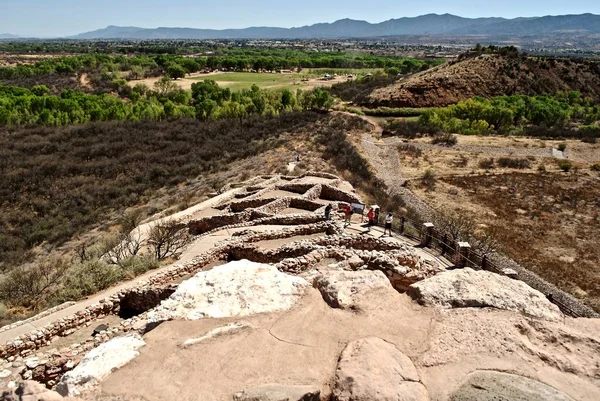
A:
[388,224]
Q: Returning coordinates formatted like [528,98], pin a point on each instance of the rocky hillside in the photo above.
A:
[272,302]
[488,76]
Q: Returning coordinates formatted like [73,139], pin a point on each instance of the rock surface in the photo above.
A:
[31,391]
[497,386]
[371,369]
[341,288]
[99,363]
[470,288]
[279,393]
[219,331]
[239,288]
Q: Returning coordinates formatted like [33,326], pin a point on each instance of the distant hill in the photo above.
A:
[487,76]
[8,36]
[430,24]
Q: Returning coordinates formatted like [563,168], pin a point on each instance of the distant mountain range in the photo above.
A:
[7,36]
[430,24]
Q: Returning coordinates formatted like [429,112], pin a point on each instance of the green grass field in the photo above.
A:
[244,80]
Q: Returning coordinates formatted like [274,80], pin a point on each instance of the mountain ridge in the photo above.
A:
[428,24]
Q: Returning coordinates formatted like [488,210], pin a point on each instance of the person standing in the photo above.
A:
[328,212]
[371,219]
[347,213]
[388,224]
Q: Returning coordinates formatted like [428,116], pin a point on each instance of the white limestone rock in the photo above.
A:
[469,288]
[371,369]
[340,289]
[100,362]
[240,288]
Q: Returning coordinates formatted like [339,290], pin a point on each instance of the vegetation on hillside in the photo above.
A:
[19,106]
[515,114]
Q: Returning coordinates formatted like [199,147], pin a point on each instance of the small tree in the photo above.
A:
[176,71]
[168,239]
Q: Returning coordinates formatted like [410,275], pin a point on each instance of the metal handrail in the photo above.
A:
[483,263]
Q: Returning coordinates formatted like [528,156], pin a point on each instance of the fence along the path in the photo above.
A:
[451,250]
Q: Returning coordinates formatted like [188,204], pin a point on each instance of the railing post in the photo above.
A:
[464,252]
[402,220]
[443,245]
[426,234]
[484,262]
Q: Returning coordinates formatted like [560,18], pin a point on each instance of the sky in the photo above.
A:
[53,18]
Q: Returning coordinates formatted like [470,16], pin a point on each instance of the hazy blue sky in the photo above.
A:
[67,17]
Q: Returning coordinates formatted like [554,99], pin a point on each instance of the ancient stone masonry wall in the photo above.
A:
[313,193]
[329,192]
[299,203]
[242,205]
[210,223]
[298,188]
[274,207]
[38,316]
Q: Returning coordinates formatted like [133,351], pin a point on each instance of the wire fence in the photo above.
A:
[457,253]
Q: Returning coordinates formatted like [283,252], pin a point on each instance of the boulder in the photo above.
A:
[487,385]
[372,369]
[279,393]
[469,288]
[340,289]
[30,391]
[239,288]
[97,364]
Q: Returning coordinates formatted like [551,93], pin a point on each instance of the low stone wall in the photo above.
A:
[329,192]
[305,204]
[210,223]
[25,345]
[298,188]
[37,317]
[240,206]
[274,207]
[313,193]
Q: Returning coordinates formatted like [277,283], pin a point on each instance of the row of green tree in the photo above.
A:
[177,66]
[509,113]
[19,106]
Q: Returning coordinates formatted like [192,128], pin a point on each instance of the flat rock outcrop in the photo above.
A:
[372,369]
[31,391]
[240,288]
[275,392]
[340,289]
[497,386]
[99,363]
[469,288]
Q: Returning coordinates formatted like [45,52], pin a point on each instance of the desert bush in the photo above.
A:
[429,179]
[445,139]
[394,112]
[562,147]
[168,239]
[517,163]
[87,278]
[565,166]
[409,129]
[460,161]
[31,286]
[487,164]
[410,149]
[595,167]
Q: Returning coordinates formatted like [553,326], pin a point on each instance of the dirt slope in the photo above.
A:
[488,76]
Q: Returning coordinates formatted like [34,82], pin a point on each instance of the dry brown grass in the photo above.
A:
[549,223]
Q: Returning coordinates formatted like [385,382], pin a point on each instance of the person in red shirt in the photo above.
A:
[347,213]
[371,218]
